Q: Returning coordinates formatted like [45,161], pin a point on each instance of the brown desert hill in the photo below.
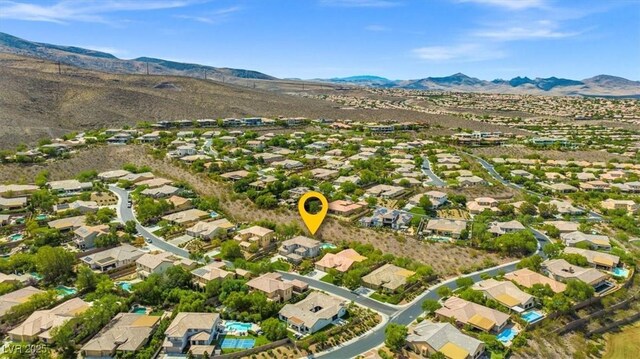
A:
[37,102]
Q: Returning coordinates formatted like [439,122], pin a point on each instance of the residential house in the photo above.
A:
[160,192]
[17,190]
[385,217]
[446,227]
[522,173]
[505,293]
[475,315]
[500,228]
[187,217]
[613,204]
[126,333]
[565,207]
[158,263]
[112,258]
[341,261]
[313,313]
[563,226]
[209,230]
[13,203]
[560,269]
[276,288]
[482,204]
[385,191]
[469,181]
[598,260]
[155,182]
[69,187]
[345,208]
[298,248]
[427,338]
[527,278]
[323,174]
[180,203]
[39,324]
[559,187]
[114,175]
[85,236]
[67,224]
[235,175]
[595,241]
[261,236]
[20,296]
[210,272]
[388,277]
[189,329]
[80,206]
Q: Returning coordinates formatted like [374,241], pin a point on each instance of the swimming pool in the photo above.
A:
[126,286]
[620,272]
[15,237]
[36,275]
[328,246]
[41,217]
[64,290]
[532,316]
[238,326]
[507,335]
[213,214]
[139,310]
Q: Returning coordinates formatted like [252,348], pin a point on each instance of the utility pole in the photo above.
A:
[147,68]
[205,74]
[59,69]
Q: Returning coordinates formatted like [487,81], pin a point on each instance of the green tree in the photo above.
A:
[464,282]
[274,329]
[230,250]
[395,336]
[54,263]
[534,263]
[578,290]
[430,305]
[86,279]
[444,291]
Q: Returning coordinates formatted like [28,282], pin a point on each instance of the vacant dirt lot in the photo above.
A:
[446,259]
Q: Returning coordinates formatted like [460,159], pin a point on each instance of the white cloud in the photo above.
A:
[214,17]
[542,29]
[465,52]
[65,11]
[509,4]
[360,3]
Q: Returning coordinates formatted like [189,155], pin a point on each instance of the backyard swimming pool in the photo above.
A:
[64,290]
[328,246]
[507,335]
[15,237]
[532,316]
[126,286]
[138,309]
[238,326]
[620,272]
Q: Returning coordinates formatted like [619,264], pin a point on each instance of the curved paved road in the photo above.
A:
[426,169]
[404,315]
[126,214]
[492,171]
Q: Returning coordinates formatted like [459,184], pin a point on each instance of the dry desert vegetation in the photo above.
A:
[447,259]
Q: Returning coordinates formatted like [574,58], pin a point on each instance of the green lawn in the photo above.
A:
[328,279]
[624,344]
[418,210]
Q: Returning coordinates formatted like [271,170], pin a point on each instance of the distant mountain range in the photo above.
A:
[105,62]
[601,85]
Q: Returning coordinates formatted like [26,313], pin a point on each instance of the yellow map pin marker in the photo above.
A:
[313,221]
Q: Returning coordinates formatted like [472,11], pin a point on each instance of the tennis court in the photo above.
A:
[233,343]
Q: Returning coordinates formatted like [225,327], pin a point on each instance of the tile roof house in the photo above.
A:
[209,230]
[385,191]
[427,338]
[13,203]
[161,192]
[446,227]
[39,324]
[560,269]
[564,226]
[158,263]
[341,261]
[385,217]
[613,204]
[313,313]
[476,315]
[276,288]
[17,190]
[80,206]
[499,228]
[527,278]
[506,293]
[65,224]
[115,257]
[345,208]
[298,248]
[127,332]
[22,295]
[595,241]
[389,277]
[596,259]
[481,204]
[69,186]
[85,236]
[187,217]
[212,271]
[255,234]
[188,329]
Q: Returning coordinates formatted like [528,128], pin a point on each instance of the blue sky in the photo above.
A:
[398,39]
